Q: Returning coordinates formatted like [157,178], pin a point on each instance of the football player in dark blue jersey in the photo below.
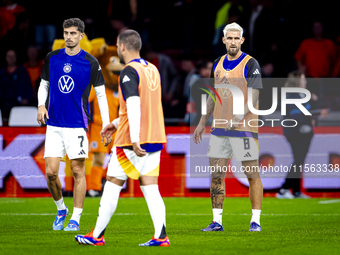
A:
[66,81]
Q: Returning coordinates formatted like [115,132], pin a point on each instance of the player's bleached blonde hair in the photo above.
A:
[233,27]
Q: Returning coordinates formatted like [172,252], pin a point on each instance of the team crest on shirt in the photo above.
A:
[224,93]
[151,78]
[67,68]
[218,74]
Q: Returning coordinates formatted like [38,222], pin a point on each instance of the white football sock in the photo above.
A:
[60,204]
[108,205]
[156,207]
[76,214]
[256,216]
[217,215]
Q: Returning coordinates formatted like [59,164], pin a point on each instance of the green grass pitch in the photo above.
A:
[288,227]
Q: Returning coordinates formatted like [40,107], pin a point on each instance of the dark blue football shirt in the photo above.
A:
[70,79]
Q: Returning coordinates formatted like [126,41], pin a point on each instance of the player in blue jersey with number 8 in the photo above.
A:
[66,81]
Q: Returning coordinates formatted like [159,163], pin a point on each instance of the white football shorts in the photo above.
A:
[61,141]
[124,164]
[242,148]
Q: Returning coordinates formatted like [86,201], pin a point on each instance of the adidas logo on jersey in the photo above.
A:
[82,152]
[143,62]
[126,78]
[256,71]
[247,155]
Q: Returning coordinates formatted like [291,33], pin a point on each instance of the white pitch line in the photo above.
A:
[263,214]
[182,214]
[33,214]
[329,201]
[11,201]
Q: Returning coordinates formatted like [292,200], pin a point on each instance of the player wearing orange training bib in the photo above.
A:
[231,134]
[138,143]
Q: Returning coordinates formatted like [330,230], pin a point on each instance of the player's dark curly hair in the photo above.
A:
[131,39]
[75,22]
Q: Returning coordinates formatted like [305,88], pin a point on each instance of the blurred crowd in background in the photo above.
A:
[181,37]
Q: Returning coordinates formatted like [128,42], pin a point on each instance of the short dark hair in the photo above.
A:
[75,22]
[202,63]
[131,39]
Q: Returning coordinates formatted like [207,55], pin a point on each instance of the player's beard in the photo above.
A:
[233,51]
[121,59]
[71,46]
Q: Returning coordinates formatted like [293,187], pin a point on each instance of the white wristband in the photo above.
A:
[102,103]
[115,122]
[134,116]
[240,117]
[43,92]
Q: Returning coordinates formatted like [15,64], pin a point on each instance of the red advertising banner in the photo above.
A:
[22,167]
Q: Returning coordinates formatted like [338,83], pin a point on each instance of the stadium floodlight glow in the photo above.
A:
[238,100]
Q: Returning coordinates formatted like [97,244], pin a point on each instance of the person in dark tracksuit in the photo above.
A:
[299,138]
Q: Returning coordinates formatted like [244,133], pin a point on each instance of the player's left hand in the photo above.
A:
[108,131]
[138,150]
[232,124]
[107,140]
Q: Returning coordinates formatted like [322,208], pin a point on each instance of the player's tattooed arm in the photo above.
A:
[255,98]
[210,110]
[197,136]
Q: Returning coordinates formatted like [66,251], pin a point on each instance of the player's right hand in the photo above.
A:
[138,150]
[108,131]
[198,134]
[42,112]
